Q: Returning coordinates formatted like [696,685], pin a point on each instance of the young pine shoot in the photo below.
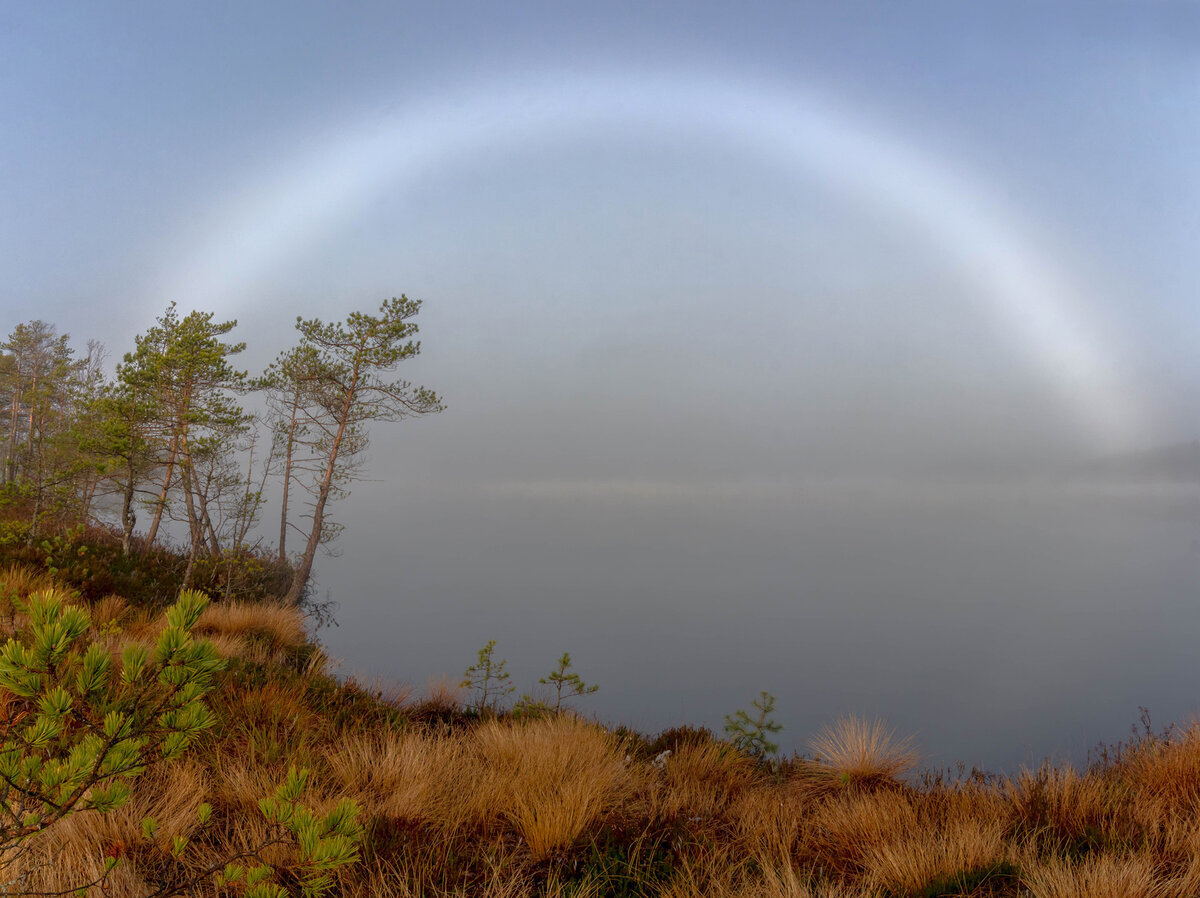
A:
[567,685]
[488,679]
[752,734]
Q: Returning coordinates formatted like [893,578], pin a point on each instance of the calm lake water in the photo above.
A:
[998,623]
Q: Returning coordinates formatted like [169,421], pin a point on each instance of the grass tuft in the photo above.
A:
[1098,876]
[276,626]
[862,753]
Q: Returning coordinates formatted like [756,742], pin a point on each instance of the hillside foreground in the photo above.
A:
[454,802]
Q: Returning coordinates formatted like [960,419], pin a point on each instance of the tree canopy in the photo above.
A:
[170,433]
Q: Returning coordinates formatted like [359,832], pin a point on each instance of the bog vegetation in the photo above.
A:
[168,726]
[284,780]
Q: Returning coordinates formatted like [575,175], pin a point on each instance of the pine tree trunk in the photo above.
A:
[37,513]
[127,517]
[10,455]
[89,496]
[304,570]
[161,503]
[186,477]
[187,574]
[287,477]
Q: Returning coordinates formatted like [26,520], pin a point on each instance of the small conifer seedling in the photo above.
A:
[488,679]
[566,684]
[751,734]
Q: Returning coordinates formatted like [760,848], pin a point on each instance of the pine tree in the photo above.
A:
[751,734]
[344,391]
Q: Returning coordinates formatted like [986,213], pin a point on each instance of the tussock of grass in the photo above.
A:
[80,842]
[399,776]
[842,831]
[279,626]
[253,632]
[23,581]
[863,753]
[1098,876]
[17,583]
[550,779]
[954,850]
[767,820]
[109,611]
[700,784]
[1070,811]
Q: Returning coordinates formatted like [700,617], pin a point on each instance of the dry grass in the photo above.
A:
[844,830]
[23,581]
[864,753]
[17,584]
[401,777]
[767,818]
[256,633]
[1102,876]
[1164,775]
[701,783]
[509,808]
[456,806]
[725,873]
[108,611]
[550,779]
[1068,810]
[927,856]
[278,626]
[73,849]
[783,881]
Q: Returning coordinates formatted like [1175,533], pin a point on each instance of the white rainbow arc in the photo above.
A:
[1030,295]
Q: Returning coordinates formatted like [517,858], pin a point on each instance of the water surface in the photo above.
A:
[999,622]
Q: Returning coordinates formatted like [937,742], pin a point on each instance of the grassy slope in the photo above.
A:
[500,807]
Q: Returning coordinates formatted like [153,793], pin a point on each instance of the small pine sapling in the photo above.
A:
[566,685]
[83,725]
[325,842]
[751,734]
[488,679]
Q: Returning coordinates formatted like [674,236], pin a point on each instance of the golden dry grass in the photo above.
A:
[400,776]
[1164,775]
[562,807]
[767,819]
[862,752]
[256,633]
[279,626]
[775,880]
[511,808]
[701,782]
[1102,876]
[925,856]
[550,779]
[1067,809]
[23,581]
[108,611]
[17,583]
[843,830]
[73,849]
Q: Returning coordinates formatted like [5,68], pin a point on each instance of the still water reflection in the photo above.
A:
[998,622]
